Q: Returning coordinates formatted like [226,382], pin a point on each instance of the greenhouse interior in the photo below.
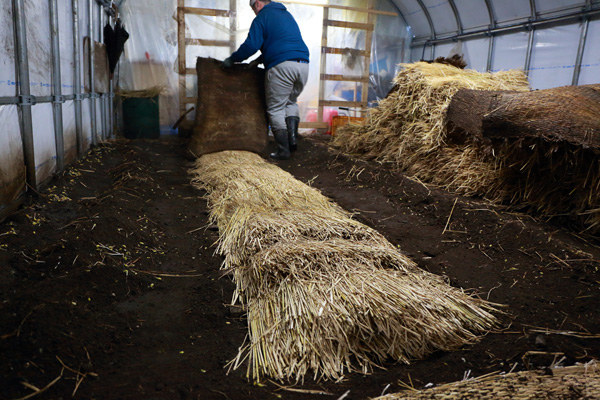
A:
[260,199]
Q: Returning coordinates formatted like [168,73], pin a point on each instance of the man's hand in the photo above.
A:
[254,63]
[227,63]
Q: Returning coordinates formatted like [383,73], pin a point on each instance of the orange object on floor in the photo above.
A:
[341,120]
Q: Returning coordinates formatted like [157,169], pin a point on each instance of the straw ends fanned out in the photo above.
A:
[325,294]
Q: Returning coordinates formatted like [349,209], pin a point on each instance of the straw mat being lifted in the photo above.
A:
[576,382]
[324,294]
[408,127]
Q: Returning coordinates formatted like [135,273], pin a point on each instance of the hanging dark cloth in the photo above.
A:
[114,39]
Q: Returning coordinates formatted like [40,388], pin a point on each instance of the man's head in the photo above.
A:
[257,5]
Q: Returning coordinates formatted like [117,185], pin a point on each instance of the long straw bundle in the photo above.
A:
[324,293]
[408,126]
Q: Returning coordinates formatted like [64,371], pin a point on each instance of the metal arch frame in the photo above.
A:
[492,43]
[431,27]
[531,37]
[459,25]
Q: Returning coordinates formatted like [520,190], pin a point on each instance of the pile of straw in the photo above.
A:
[408,128]
[325,295]
[576,382]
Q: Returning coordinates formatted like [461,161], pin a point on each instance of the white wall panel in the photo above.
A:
[475,53]
[86,123]
[84,28]
[548,6]
[510,11]
[444,49]
[12,165]
[510,51]
[415,17]
[553,57]
[441,12]
[43,141]
[590,64]
[38,47]
[65,23]
[69,131]
[473,14]
[8,86]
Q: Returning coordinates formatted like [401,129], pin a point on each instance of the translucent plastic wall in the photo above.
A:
[29,147]
[151,54]
[542,36]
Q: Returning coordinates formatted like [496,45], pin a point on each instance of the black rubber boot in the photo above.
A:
[292,128]
[283,150]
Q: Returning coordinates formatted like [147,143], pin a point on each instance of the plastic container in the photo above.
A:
[141,118]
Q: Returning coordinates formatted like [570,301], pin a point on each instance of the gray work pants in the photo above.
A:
[283,84]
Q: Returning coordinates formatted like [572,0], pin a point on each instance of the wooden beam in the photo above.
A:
[353,104]
[357,9]
[368,43]
[206,11]
[204,42]
[190,100]
[338,50]
[345,24]
[313,125]
[344,78]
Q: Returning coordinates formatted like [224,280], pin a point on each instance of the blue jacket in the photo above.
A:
[276,34]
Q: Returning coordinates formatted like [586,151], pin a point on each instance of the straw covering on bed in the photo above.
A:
[506,156]
[408,129]
[575,382]
[324,294]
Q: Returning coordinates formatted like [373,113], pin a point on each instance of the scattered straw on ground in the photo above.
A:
[576,382]
[325,294]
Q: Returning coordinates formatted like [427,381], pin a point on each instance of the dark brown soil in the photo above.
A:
[108,280]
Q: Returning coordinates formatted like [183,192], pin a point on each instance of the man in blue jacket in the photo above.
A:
[283,52]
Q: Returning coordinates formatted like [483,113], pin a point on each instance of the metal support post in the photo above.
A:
[24,92]
[77,78]
[58,99]
[92,88]
[580,50]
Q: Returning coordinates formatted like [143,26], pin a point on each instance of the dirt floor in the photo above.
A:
[109,288]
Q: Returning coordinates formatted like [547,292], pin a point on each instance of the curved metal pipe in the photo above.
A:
[24,93]
[57,87]
[533,10]
[431,28]
[459,25]
[491,13]
[580,50]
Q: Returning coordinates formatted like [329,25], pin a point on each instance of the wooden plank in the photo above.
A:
[181,54]
[330,103]
[323,64]
[204,42]
[344,78]
[338,50]
[206,11]
[313,125]
[181,37]
[232,25]
[190,100]
[346,24]
[364,95]
[357,9]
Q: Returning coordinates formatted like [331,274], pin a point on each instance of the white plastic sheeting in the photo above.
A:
[12,165]
[43,142]
[553,57]
[510,51]
[38,48]
[151,53]
[8,86]
[590,65]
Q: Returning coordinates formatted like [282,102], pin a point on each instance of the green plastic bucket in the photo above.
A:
[140,118]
